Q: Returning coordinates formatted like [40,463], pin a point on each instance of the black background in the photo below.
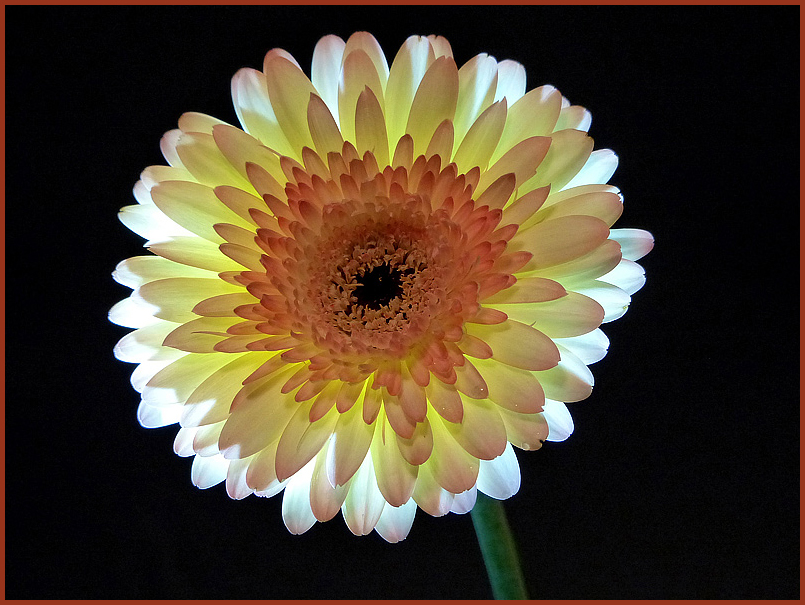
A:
[681,480]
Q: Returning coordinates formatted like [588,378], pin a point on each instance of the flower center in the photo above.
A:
[365,267]
[379,285]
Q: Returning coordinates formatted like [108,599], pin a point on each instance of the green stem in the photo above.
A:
[498,549]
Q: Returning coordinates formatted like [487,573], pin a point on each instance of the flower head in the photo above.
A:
[380,285]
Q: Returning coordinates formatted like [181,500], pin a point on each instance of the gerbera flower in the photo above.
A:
[387,279]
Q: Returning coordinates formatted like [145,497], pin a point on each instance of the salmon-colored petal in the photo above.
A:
[525,431]
[570,380]
[570,315]
[481,432]
[452,467]
[518,345]
[445,400]
[417,448]
[560,240]
[528,290]
[512,388]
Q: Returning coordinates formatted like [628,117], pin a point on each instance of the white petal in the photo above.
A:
[208,471]
[500,478]
[133,313]
[614,300]
[364,503]
[590,347]
[145,344]
[560,423]
[296,511]
[511,81]
[273,489]
[600,167]
[464,501]
[183,444]
[635,243]
[395,521]
[152,417]
[146,371]
[236,479]
[628,276]
[326,70]
[150,223]
[253,107]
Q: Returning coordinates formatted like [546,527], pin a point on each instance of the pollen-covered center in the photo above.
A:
[366,266]
[378,286]
[378,280]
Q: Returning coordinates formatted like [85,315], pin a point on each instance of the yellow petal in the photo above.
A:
[526,431]
[568,154]
[534,114]
[254,110]
[325,500]
[138,270]
[259,415]
[395,477]
[289,91]
[195,207]
[560,240]
[174,298]
[405,75]
[435,101]
[195,252]
[302,439]
[204,160]
[359,74]
[323,129]
[570,380]
[370,127]
[522,160]
[476,90]
[350,443]
[477,146]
